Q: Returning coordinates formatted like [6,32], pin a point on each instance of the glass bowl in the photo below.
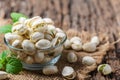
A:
[51,57]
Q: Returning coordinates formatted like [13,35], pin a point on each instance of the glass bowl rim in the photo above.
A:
[53,47]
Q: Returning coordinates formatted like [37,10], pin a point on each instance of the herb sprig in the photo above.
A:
[10,63]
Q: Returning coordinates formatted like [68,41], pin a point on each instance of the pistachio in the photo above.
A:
[95,40]
[68,72]
[105,69]
[43,44]
[22,19]
[56,41]
[10,37]
[36,36]
[38,23]
[48,21]
[76,46]
[51,29]
[46,59]
[19,29]
[39,57]
[60,35]
[29,60]
[48,70]
[3,75]
[74,39]
[89,47]
[67,44]
[48,37]
[71,57]
[28,45]
[16,44]
[88,60]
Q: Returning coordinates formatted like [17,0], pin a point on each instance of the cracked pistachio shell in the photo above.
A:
[48,70]
[3,75]
[36,36]
[105,69]
[28,45]
[67,44]
[39,57]
[89,47]
[29,60]
[48,21]
[68,72]
[16,44]
[43,44]
[95,40]
[19,29]
[72,57]
[88,60]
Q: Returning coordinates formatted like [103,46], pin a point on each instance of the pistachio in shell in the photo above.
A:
[72,57]
[68,72]
[48,70]
[43,44]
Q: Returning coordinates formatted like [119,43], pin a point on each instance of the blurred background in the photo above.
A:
[79,14]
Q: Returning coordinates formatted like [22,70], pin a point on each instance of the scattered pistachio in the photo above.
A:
[3,75]
[68,72]
[48,70]
[89,47]
[95,40]
[71,57]
[88,60]
[105,69]
[67,44]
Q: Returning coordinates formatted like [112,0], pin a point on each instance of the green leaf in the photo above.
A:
[1,66]
[14,66]
[5,28]
[15,16]
[4,54]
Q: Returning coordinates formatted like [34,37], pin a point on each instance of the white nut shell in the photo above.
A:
[43,44]
[88,60]
[48,70]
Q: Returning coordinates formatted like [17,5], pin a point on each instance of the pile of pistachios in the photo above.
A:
[34,35]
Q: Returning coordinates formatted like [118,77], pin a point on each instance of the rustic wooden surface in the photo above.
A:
[89,15]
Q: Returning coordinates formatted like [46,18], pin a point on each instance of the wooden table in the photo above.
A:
[89,15]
